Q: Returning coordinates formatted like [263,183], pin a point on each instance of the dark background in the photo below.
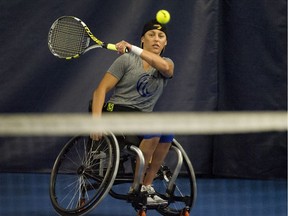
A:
[229,55]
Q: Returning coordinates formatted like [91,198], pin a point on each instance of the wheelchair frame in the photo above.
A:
[85,171]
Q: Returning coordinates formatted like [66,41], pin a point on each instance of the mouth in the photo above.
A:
[155,46]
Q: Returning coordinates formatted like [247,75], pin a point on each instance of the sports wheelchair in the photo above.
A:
[85,171]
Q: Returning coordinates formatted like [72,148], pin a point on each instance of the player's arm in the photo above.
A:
[107,83]
[165,67]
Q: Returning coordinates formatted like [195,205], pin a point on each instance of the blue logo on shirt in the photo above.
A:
[147,85]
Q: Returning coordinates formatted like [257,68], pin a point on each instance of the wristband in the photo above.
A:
[136,50]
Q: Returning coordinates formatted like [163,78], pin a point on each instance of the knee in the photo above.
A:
[148,147]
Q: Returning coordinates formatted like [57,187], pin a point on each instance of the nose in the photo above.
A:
[156,38]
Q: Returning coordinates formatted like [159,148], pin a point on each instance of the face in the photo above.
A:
[154,41]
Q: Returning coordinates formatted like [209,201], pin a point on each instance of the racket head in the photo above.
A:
[68,38]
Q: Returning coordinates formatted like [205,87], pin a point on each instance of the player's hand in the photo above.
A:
[123,47]
[96,136]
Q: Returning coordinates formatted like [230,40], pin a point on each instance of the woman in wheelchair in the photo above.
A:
[138,79]
[89,167]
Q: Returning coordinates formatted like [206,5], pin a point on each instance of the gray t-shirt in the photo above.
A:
[136,88]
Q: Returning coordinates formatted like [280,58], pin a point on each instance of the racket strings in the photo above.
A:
[68,38]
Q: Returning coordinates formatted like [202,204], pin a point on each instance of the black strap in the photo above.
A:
[110,107]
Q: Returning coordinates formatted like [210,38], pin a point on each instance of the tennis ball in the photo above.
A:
[163,16]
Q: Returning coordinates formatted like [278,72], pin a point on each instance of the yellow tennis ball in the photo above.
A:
[163,16]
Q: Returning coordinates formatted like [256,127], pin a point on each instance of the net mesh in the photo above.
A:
[177,123]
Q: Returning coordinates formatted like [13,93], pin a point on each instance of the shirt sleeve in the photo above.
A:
[168,59]
[118,67]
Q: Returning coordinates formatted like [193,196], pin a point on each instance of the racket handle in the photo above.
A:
[112,47]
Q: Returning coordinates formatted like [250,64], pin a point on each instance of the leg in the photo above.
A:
[154,150]
[157,160]
[147,146]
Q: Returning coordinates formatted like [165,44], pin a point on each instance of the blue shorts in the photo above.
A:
[165,138]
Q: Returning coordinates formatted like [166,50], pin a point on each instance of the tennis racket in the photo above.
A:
[69,37]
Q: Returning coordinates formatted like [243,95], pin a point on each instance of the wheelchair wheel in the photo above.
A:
[83,174]
[183,195]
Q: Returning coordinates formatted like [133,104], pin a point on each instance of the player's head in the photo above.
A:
[154,34]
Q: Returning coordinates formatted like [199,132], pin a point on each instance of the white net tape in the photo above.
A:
[139,123]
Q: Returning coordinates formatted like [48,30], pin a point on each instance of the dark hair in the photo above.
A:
[153,24]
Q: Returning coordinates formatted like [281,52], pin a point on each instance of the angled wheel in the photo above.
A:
[83,174]
[183,194]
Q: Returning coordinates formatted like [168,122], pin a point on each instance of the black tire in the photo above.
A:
[83,174]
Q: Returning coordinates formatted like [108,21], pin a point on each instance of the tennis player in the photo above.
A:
[138,79]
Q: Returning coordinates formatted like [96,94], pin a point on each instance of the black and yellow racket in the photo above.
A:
[69,37]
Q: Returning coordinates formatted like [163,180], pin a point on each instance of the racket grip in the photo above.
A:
[110,46]
[113,47]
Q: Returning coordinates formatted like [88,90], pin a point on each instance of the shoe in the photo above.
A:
[152,198]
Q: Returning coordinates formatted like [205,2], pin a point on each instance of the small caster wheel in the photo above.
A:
[141,213]
[184,212]
[81,202]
